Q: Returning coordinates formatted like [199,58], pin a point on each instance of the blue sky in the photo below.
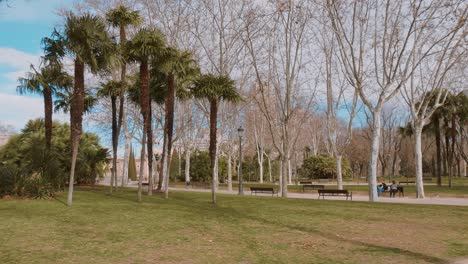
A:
[23,23]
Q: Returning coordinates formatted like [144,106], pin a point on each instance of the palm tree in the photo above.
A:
[120,17]
[179,70]
[215,89]
[146,44]
[46,82]
[86,40]
[64,97]
[112,89]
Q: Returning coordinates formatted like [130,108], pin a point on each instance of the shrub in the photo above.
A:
[30,169]
[200,164]
[322,166]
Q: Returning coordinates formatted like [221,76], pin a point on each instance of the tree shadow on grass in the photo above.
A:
[60,201]
[203,206]
[188,203]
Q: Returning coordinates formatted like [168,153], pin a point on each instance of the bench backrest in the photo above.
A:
[315,186]
[261,189]
[333,191]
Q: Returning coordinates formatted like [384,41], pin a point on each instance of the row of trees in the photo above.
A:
[290,60]
[163,70]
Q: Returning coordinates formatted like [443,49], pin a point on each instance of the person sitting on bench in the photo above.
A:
[393,189]
[380,189]
[384,187]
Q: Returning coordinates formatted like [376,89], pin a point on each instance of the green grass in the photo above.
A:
[186,228]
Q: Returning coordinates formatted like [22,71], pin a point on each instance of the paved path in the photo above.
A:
[405,200]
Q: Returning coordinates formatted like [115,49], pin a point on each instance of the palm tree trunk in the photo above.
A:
[123,75]
[213,132]
[170,100]
[149,143]
[114,144]
[48,115]
[76,119]
[145,101]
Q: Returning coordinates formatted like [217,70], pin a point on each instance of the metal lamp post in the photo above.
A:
[240,131]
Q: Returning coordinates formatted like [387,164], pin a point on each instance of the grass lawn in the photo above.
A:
[187,229]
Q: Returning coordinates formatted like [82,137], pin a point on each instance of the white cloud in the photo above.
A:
[17,110]
[17,60]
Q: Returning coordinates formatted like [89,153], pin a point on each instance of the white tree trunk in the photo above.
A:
[281,177]
[418,156]
[167,174]
[164,169]
[187,167]
[464,168]
[128,145]
[260,166]
[284,177]
[289,172]
[339,176]
[215,170]
[213,185]
[374,156]
[142,166]
[179,163]
[269,169]
[229,172]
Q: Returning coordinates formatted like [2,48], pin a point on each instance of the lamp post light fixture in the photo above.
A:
[240,131]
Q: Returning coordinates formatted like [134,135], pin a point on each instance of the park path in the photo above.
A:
[361,198]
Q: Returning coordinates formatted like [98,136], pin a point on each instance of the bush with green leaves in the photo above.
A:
[30,169]
[200,167]
[323,167]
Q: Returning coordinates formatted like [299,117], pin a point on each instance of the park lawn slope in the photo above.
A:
[100,228]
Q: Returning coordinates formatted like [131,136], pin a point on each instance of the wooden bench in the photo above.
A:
[205,185]
[323,193]
[312,187]
[263,190]
[305,182]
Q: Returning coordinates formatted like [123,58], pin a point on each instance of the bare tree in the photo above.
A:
[338,97]
[276,37]
[430,84]
[379,49]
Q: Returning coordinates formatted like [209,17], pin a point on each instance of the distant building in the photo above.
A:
[120,163]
